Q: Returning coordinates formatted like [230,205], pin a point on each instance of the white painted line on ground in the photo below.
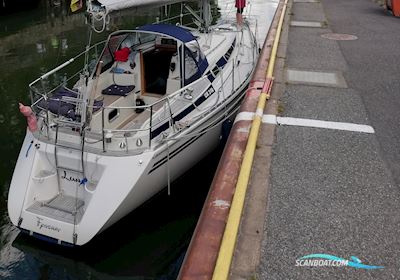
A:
[297,23]
[321,124]
[272,119]
[325,124]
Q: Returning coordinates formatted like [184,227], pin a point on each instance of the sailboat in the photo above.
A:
[146,106]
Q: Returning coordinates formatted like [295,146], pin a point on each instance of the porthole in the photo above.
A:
[113,115]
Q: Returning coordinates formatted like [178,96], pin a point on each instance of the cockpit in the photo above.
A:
[142,66]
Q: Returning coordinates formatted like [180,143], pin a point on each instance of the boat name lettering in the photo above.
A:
[210,91]
[40,225]
[70,178]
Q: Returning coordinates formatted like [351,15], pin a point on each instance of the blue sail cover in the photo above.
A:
[195,61]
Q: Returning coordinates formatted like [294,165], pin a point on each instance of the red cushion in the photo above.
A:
[122,54]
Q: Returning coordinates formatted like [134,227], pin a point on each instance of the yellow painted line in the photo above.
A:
[221,271]
[271,63]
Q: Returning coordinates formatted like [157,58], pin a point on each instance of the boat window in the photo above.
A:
[195,62]
[135,39]
[130,41]
[115,42]
[113,115]
[194,48]
[108,53]
[146,38]
[190,66]
[107,59]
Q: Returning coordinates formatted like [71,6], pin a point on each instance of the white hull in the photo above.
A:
[184,154]
[121,182]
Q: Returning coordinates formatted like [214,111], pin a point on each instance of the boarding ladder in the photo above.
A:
[62,202]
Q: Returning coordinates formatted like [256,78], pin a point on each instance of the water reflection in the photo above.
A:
[150,242]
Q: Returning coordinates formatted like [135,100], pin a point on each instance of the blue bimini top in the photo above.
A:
[171,30]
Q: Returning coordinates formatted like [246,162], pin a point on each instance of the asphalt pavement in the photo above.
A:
[331,191]
[373,68]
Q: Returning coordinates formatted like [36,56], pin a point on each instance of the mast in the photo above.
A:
[206,14]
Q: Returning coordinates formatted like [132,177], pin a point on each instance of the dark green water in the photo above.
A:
[149,243]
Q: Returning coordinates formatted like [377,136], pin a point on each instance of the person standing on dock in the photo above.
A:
[240,5]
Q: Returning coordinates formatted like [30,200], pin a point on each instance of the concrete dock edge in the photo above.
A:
[200,259]
[247,255]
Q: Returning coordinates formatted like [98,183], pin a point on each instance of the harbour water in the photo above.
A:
[150,243]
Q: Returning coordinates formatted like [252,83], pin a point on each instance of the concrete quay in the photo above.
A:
[325,177]
[321,200]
